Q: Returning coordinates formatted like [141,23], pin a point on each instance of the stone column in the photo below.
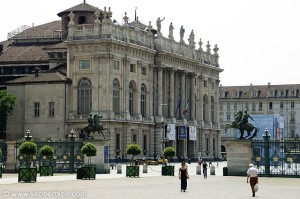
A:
[160,87]
[192,100]
[201,98]
[11,157]
[217,122]
[126,63]
[183,99]
[172,93]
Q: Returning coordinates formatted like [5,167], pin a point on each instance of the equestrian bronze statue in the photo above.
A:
[94,125]
[242,124]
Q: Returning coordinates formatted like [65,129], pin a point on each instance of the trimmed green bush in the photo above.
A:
[89,150]
[0,152]
[133,150]
[47,151]
[169,152]
[28,148]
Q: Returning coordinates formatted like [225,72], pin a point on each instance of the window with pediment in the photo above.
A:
[143,99]
[84,96]
[116,96]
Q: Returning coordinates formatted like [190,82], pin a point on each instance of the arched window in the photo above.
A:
[143,99]
[84,96]
[130,98]
[116,96]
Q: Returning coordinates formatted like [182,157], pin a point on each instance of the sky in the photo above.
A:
[258,40]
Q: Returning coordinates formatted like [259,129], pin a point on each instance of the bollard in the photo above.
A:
[198,170]
[119,168]
[212,170]
[145,168]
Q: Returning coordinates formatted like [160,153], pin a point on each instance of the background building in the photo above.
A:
[137,79]
[268,100]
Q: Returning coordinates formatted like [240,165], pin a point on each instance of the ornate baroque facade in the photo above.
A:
[137,79]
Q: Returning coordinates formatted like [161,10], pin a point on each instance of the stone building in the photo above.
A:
[137,79]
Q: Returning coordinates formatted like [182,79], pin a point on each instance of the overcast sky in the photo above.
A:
[258,40]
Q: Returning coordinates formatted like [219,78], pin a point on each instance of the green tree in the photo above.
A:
[133,150]
[169,152]
[89,150]
[7,103]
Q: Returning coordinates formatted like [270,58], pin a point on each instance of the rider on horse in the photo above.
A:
[244,120]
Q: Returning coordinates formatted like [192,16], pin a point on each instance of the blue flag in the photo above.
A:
[178,106]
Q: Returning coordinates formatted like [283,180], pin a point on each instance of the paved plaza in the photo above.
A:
[149,185]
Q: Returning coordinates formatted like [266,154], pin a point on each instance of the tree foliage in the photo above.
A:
[89,149]
[7,103]
[133,150]
[28,148]
[169,152]
[47,150]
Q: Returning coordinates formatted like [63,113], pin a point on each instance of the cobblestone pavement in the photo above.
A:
[148,185]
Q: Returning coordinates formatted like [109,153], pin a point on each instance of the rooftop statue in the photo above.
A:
[242,124]
[94,124]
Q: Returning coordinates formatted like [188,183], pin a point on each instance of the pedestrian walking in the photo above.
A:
[252,173]
[183,176]
[204,165]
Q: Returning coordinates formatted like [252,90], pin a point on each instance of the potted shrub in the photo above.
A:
[46,167]
[168,170]
[28,173]
[88,171]
[133,169]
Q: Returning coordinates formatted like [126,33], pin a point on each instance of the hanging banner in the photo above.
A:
[170,131]
[182,132]
[192,133]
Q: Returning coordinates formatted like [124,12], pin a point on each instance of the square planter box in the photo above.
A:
[167,170]
[27,174]
[132,171]
[46,170]
[86,172]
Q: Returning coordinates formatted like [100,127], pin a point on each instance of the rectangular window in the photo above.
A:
[270,105]
[116,65]
[51,109]
[132,68]
[235,106]
[84,64]
[228,117]
[281,105]
[253,106]
[36,109]
[228,106]
[205,84]
[134,138]
[292,105]
[260,106]
[144,71]
[145,143]
[118,142]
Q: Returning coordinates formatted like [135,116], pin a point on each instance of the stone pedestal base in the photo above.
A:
[98,160]
[238,157]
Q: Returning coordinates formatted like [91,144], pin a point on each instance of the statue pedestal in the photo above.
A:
[101,160]
[239,157]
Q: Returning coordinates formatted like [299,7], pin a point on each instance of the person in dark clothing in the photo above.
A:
[183,176]
[204,165]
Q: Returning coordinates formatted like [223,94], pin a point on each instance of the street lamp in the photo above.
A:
[72,137]
[266,138]
[28,137]
[163,141]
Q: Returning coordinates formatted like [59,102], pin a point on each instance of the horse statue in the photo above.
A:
[245,126]
[93,126]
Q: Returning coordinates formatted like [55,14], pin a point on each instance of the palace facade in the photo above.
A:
[137,79]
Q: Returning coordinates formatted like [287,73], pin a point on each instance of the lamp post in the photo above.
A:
[72,137]
[28,137]
[266,138]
